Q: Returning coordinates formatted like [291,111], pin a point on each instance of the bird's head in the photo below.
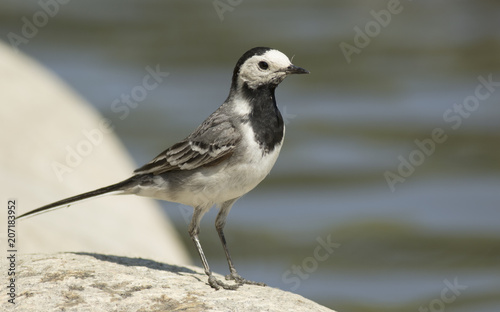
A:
[263,67]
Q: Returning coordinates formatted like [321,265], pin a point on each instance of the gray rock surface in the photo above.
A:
[96,282]
[46,125]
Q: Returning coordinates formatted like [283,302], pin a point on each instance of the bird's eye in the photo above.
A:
[263,65]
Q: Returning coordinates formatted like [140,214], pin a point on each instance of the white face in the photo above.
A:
[263,69]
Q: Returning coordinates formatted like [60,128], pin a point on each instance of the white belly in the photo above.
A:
[215,185]
[249,168]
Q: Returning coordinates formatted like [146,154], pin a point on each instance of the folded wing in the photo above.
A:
[213,141]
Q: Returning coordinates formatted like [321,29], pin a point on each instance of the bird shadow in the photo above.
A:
[138,262]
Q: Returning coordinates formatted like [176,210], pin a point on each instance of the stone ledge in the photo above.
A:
[96,282]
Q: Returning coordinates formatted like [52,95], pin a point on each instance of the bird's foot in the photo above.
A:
[240,280]
[217,284]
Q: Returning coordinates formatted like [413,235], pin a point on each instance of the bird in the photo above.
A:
[225,157]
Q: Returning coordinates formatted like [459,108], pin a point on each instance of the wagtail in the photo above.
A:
[228,155]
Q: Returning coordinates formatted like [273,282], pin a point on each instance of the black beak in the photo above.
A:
[292,69]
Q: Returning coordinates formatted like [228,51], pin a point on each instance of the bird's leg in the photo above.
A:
[220,222]
[194,230]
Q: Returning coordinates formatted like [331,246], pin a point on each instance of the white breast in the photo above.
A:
[215,185]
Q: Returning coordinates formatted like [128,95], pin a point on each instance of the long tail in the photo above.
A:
[114,189]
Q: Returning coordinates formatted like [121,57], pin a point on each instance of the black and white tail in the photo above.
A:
[114,189]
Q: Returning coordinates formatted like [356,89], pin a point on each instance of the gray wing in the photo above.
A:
[212,142]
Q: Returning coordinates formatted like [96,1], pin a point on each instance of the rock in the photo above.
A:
[96,282]
[55,145]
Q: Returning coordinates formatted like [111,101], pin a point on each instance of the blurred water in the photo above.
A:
[347,125]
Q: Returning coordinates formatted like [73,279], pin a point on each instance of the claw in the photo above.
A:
[240,280]
[217,284]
